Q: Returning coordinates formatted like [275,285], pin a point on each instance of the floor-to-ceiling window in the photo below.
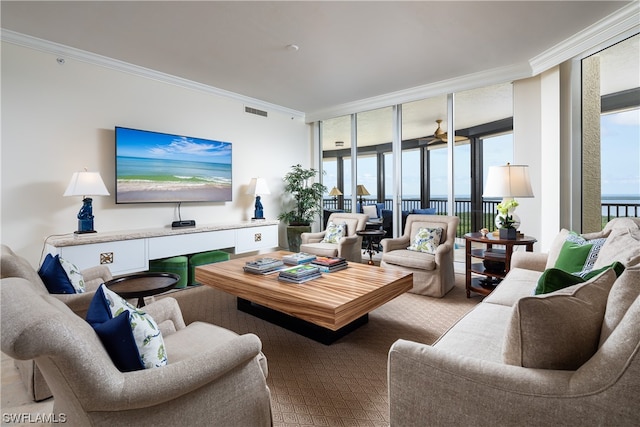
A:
[481,115]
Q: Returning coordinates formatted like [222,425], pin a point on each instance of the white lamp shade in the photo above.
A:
[508,181]
[86,184]
[258,186]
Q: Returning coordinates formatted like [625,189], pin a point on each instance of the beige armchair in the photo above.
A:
[13,265]
[349,246]
[214,376]
[433,274]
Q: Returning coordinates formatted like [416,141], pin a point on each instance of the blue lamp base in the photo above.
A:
[85,217]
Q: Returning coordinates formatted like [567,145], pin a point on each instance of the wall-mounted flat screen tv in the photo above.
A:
[153,167]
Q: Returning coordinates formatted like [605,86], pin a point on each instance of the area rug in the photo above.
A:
[345,383]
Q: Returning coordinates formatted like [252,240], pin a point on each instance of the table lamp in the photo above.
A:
[508,182]
[361,190]
[86,184]
[335,193]
[258,186]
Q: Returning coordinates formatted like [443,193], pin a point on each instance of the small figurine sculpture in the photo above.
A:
[85,216]
[258,213]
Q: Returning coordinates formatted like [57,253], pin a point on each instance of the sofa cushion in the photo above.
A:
[560,330]
[578,255]
[623,244]
[555,279]
[320,249]
[133,342]
[518,283]
[54,276]
[623,293]
[410,259]
[426,240]
[426,211]
[478,334]
[334,232]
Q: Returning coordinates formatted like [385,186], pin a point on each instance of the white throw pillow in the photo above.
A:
[371,211]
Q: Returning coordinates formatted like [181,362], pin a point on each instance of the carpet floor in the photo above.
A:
[343,384]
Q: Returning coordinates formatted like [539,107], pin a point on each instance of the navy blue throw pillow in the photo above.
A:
[117,338]
[54,276]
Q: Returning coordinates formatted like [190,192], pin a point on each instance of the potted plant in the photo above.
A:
[505,219]
[307,203]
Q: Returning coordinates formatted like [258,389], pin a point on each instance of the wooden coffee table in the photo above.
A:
[324,309]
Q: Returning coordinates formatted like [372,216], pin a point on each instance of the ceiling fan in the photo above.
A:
[439,136]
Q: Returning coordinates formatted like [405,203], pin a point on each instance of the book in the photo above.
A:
[328,261]
[263,265]
[301,279]
[299,271]
[332,269]
[298,258]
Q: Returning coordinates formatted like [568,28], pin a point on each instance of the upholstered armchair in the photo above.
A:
[13,265]
[433,273]
[213,376]
[348,246]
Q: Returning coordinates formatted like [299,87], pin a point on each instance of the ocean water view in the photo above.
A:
[138,169]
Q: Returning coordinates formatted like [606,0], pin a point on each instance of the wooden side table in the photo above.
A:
[489,253]
[142,285]
[371,238]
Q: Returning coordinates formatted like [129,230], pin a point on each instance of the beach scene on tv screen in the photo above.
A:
[157,167]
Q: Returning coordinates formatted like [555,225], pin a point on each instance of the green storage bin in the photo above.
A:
[177,264]
[204,258]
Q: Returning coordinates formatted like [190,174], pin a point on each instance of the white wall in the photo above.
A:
[58,119]
[536,130]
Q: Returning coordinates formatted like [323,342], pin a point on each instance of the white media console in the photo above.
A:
[129,251]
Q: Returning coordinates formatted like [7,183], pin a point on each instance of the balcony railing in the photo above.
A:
[463,210]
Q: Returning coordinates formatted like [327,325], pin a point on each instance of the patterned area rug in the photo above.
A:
[343,384]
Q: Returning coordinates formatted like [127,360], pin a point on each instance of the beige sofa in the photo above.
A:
[214,376]
[13,265]
[495,366]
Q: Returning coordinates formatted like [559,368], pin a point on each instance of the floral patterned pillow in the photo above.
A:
[426,240]
[131,337]
[334,232]
[74,275]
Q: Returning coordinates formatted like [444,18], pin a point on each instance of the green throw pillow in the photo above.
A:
[555,279]
[578,254]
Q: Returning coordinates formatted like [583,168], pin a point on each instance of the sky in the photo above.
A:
[138,143]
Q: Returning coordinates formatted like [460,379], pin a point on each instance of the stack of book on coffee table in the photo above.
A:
[263,265]
[300,274]
[329,264]
[298,258]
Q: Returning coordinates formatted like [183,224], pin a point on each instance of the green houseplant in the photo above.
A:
[305,203]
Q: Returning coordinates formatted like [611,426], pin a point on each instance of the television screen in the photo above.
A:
[153,167]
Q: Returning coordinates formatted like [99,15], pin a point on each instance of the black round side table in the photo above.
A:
[370,237]
[141,285]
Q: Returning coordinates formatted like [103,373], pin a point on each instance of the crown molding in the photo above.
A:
[114,64]
[615,27]
[455,84]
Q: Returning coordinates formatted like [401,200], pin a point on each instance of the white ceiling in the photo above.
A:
[348,51]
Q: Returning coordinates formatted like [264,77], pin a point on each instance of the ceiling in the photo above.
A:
[347,50]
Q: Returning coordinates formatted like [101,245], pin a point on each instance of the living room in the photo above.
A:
[61,105]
